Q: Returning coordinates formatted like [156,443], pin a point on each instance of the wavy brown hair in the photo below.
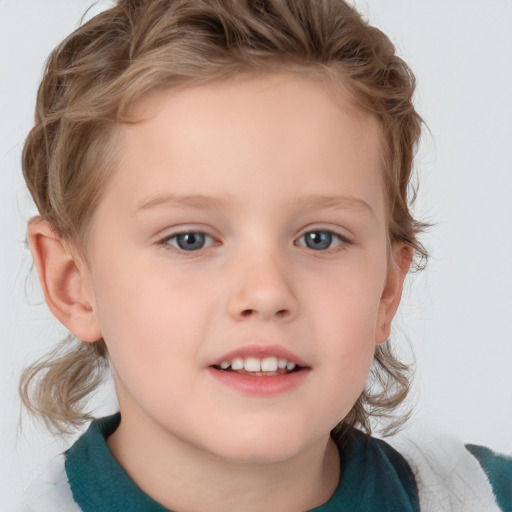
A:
[96,76]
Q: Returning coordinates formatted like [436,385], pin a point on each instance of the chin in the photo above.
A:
[260,447]
[260,456]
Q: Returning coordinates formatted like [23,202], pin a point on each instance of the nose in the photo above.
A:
[262,288]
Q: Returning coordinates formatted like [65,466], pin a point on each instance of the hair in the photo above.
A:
[97,75]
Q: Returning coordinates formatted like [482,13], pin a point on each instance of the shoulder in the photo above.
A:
[375,476]
[453,477]
[50,492]
[498,469]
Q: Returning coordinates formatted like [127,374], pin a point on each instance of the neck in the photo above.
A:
[184,478]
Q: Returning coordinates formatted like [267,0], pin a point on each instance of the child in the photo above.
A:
[222,190]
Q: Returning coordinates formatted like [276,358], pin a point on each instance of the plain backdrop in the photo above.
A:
[456,317]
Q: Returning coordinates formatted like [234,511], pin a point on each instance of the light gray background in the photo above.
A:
[456,317]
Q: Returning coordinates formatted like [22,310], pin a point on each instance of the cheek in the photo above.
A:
[150,318]
[348,350]
[347,300]
[345,315]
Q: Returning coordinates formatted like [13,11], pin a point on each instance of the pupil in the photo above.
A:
[190,241]
[318,240]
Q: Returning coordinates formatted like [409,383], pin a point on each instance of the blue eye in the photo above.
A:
[189,241]
[320,240]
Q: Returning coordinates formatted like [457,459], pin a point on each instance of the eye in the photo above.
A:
[320,240]
[189,241]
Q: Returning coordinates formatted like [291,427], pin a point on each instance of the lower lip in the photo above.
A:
[260,385]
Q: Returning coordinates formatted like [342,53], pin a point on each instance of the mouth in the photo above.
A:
[260,370]
[260,367]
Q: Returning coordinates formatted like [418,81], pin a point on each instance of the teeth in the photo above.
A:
[237,363]
[281,363]
[253,364]
[269,364]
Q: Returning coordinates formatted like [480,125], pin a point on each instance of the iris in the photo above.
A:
[318,240]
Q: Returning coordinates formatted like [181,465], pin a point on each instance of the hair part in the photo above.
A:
[97,76]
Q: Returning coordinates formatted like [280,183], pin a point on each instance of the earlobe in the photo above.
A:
[62,281]
[402,257]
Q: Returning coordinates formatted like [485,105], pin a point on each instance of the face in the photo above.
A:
[238,265]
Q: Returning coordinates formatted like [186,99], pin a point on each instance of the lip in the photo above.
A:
[260,385]
[261,351]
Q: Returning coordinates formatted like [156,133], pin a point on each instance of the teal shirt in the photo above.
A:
[375,476]
[499,473]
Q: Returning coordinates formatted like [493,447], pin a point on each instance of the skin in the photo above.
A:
[271,159]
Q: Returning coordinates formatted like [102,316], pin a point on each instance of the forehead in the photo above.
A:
[284,131]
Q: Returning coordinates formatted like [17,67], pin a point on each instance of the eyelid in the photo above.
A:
[165,241]
[343,233]
[343,239]
[182,228]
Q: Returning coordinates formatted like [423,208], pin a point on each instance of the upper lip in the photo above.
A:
[261,351]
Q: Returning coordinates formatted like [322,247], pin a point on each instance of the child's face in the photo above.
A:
[280,191]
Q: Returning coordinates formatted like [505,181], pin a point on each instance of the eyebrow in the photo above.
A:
[319,202]
[200,202]
[308,202]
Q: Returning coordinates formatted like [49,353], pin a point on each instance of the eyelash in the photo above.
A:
[166,242]
[331,237]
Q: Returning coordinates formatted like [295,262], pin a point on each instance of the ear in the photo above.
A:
[64,284]
[401,258]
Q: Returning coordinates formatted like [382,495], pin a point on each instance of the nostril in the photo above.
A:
[282,313]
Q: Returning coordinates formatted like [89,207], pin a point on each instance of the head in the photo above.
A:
[109,80]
